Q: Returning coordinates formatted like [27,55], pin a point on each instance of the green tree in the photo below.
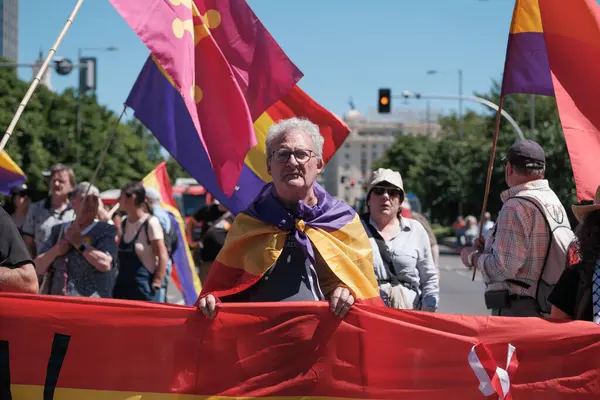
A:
[47,134]
[448,173]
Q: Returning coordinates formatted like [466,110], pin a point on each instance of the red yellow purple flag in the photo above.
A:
[168,119]
[184,270]
[554,50]
[225,66]
[125,350]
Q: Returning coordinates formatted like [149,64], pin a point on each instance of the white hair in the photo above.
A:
[82,188]
[280,128]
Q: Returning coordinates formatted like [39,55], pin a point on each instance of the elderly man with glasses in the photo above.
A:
[294,242]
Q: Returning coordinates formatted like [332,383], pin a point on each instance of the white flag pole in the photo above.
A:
[38,78]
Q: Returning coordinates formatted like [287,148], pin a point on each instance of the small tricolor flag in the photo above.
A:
[184,271]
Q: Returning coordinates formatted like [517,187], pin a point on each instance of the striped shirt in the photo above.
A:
[516,247]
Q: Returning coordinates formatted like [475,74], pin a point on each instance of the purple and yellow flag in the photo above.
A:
[224,66]
[554,50]
[527,69]
[257,236]
[184,270]
[10,173]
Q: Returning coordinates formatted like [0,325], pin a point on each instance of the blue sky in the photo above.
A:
[344,47]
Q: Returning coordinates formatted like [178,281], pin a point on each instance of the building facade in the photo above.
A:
[349,170]
[9,28]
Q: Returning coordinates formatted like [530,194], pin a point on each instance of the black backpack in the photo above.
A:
[170,238]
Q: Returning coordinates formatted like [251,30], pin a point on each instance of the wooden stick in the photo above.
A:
[105,151]
[38,78]
[488,182]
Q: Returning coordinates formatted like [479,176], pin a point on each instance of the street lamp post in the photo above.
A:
[460,98]
[79,92]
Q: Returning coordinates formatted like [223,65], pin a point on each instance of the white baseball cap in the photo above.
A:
[386,175]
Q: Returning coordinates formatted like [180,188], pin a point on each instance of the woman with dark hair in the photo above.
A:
[577,293]
[143,254]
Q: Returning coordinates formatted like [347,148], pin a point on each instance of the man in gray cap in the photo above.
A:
[514,259]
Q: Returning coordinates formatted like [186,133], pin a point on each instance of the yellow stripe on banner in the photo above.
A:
[256,159]
[526,17]
[37,392]
[8,164]
[251,245]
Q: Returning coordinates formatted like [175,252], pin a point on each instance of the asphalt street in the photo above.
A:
[458,294]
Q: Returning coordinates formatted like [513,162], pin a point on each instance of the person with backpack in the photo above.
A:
[170,233]
[524,254]
[143,255]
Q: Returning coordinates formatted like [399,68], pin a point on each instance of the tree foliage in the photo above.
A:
[47,134]
[448,173]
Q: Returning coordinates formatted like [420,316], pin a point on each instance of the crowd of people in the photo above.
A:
[304,245]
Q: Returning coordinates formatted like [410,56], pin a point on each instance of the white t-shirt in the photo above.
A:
[143,247]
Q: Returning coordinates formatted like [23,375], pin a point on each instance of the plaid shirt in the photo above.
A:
[516,247]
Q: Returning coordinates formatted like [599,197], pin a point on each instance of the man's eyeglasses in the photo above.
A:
[380,191]
[283,155]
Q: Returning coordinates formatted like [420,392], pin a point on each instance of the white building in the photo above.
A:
[349,170]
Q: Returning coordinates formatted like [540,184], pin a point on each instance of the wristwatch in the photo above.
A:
[83,247]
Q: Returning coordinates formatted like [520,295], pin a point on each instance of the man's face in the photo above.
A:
[293,164]
[60,184]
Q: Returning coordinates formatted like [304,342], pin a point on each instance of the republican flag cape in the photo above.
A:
[257,236]
[184,270]
[554,50]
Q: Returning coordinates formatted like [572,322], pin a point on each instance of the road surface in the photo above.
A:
[458,294]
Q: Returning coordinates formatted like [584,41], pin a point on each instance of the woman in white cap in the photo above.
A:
[404,266]
[577,293]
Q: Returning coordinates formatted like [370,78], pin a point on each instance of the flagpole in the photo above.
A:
[38,78]
[488,182]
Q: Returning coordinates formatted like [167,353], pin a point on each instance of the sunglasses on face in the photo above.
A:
[380,191]
[22,193]
[283,155]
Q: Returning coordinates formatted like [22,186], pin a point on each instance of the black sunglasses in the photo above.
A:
[380,191]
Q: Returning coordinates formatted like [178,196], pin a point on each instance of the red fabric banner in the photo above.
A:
[83,348]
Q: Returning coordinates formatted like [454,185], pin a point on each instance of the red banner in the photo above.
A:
[73,348]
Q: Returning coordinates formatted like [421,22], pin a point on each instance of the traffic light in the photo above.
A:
[87,74]
[385,101]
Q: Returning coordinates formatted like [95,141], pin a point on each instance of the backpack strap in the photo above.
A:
[383,251]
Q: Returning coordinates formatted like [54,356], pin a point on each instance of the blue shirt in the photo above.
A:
[163,217]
